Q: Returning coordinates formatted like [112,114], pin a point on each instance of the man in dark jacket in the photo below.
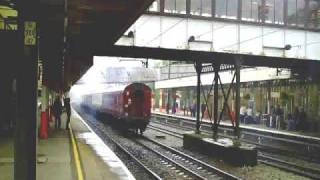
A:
[57,110]
[68,111]
[203,110]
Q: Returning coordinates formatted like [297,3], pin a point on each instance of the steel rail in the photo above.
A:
[290,167]
[266,138]
[165,131]
[119,146]
[272,161]
[206,165]
[170,160]
[243,130]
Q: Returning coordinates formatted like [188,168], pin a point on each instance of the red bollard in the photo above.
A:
[44,126]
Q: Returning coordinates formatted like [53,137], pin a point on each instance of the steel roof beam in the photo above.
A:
[207,57]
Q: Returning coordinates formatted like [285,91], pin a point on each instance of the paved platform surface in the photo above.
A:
[54,156]
[98,161]
[6,158]
[55,160]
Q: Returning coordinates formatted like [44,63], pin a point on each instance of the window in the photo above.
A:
[278,12]
[295,15]
[246,10]
[155,6]
[175,6]
[181,6]
[255,10]
[169,6]
[251,9]
[200,7]
[273,11]
[227,9]
[221,7]
[268,11]
[232,9]
[195,7]
[206,7]
[301,21]
[313,16]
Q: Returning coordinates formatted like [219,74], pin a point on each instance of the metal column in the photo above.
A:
[198,69]
[25,134]
[237,105]
[216,67]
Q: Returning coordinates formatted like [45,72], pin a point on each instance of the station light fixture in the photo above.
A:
[200,45]
[286,47]
[127,39]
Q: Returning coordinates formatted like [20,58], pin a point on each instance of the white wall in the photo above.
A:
[173,32]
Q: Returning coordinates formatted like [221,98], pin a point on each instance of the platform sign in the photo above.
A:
[30,33]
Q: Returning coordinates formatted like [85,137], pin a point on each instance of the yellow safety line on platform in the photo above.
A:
[76,155]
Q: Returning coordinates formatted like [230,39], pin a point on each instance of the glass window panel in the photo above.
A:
[278,12]
[181,6]
[314,14]
[169,6]
[232,9]
[292,12]
[250,10]
[246,10]
[268,11]
[155,6]
[206,8]
[221,8]
[255,10]
[300,12]
[195,7]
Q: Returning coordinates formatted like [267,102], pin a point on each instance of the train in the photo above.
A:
[122,98]
[127,106]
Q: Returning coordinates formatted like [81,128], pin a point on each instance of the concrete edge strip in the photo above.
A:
[76,155]
[125,169]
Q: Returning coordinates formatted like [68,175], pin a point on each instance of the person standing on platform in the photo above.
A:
[173,109]
[193,109]
[295,117]
[278,113]
[243,113]
[203,110]
[167,108]
[57,110]
[68,111]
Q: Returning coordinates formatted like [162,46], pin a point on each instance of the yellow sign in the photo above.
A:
[30,33]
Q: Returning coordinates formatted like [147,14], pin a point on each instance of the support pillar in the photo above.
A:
[198,69]
[44,99]
[237,105]
[26,122]
[268,97]
[216,67]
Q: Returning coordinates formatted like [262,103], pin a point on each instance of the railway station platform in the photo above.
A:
[54,157]
[256,127]
[285,142]
[74,154]
[97,160]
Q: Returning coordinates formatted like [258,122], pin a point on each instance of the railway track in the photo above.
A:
[119,147]
[200,168]
[160,164]
[306,148]
[263,157]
